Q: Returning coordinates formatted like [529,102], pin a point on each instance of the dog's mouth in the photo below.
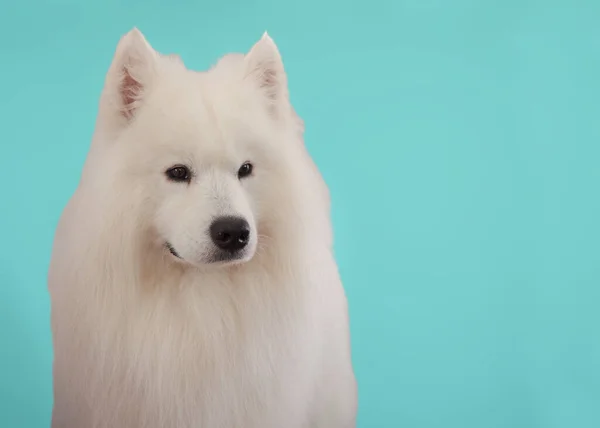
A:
[216,257]
[224,258]
[173,251]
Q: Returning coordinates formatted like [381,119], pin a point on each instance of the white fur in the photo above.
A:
[145,340]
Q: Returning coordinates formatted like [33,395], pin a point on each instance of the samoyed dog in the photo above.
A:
[192,278]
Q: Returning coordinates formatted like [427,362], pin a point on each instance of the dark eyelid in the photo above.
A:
[188,170]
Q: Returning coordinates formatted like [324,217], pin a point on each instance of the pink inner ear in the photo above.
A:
[130,91]
[268,81]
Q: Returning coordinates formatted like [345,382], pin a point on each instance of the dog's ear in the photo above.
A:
[265,68]
[129,77]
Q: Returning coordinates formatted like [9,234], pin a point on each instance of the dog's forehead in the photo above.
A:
[202,114]
[218,118]
[192,105]
[201,117]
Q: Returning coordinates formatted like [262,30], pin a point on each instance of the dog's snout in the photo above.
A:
[230,233]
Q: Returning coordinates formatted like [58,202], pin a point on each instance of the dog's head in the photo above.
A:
[202,155]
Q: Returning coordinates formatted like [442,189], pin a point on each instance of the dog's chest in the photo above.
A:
[212,364]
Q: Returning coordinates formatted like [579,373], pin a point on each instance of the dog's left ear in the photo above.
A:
[265,68]
[128,80]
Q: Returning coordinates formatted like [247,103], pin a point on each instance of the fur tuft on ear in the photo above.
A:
[129,77]
[264,66]
[131,92]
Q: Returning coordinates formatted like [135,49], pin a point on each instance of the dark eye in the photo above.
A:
[179,173]
[245,170]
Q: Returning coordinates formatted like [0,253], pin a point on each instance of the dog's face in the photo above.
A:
[204,186]
[199,148]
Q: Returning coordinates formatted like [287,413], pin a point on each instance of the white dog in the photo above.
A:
[192,278]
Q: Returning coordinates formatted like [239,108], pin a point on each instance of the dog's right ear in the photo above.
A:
[129,78]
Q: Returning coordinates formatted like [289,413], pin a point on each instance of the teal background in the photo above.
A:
[461,142]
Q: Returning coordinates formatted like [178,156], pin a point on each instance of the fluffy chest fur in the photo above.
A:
[207,353]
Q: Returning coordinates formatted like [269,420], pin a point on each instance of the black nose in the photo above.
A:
[230,233]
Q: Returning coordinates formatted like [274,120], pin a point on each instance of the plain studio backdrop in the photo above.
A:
[461,143]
